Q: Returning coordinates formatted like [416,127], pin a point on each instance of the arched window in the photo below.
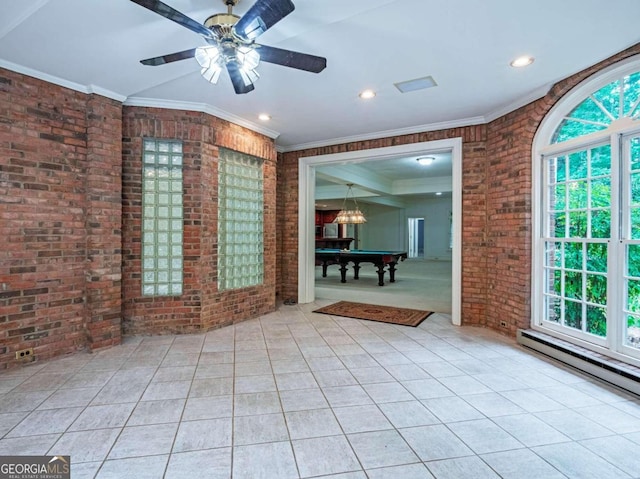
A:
[587,214]
[617,100]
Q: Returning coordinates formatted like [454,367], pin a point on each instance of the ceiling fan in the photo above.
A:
[231,42]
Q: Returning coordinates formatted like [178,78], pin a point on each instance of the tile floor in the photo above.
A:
[297,394]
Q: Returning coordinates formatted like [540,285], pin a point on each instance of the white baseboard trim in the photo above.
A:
[598,367]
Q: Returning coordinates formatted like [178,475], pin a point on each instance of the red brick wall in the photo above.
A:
[49,151]
[61,212]
[201,306]
[104,221]
[474,232]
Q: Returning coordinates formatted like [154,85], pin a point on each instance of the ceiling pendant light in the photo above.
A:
[346,216]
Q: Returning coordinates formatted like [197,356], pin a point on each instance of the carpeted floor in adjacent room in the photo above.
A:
[420,284]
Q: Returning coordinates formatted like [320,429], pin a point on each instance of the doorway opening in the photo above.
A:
[307,202]
[416,237]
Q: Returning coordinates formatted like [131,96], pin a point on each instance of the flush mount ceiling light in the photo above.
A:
[426,160]
[353,216]
[522,62]
[439,193]
[367,94]
[264,117]
[231,42]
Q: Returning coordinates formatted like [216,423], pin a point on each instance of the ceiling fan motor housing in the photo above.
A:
[221,23]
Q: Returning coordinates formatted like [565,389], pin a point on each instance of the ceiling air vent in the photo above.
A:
[417,84]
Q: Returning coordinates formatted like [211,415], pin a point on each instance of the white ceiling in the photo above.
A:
[394,182]
[466,45]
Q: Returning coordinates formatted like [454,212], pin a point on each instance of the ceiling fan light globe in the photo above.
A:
[207,55]
[248,57]
[249,77]
[212,73]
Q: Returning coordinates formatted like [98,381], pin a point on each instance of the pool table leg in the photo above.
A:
[392,272]
[343,272]
[380,274]
[324,269]
[356,270]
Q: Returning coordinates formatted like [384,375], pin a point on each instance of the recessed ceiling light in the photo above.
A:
[426,160]
[366,94]
[439,193]
[264,117]
[522,61]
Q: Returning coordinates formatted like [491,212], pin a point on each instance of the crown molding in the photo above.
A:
[88,89]
[95,89]
[202,107]
[142,102]
[519,103]
[476,120]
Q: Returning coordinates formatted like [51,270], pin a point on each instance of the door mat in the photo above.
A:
[372,312]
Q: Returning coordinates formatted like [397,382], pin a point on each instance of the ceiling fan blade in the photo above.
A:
[289,58]
[236,79]
[172,57]
[172,14]
[262,16]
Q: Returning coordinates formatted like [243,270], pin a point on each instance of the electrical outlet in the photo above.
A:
[25,355]
[503,324]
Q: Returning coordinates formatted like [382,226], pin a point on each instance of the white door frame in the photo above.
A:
[413,224]
[306,209]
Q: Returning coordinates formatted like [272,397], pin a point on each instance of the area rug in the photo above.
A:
[372,312]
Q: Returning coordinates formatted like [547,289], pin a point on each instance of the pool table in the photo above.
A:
[329,256]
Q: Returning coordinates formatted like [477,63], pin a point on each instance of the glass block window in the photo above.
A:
[240,221]
[162,218]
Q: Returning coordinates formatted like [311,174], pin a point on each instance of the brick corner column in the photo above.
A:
[104,222]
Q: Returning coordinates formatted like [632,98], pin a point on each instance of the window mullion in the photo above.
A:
[616,260]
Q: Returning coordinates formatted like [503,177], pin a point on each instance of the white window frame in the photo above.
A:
[542,147]
[625,238]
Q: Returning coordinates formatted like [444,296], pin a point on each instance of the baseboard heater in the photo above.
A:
[620,374]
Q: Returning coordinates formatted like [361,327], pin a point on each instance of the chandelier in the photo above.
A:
[353,216]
